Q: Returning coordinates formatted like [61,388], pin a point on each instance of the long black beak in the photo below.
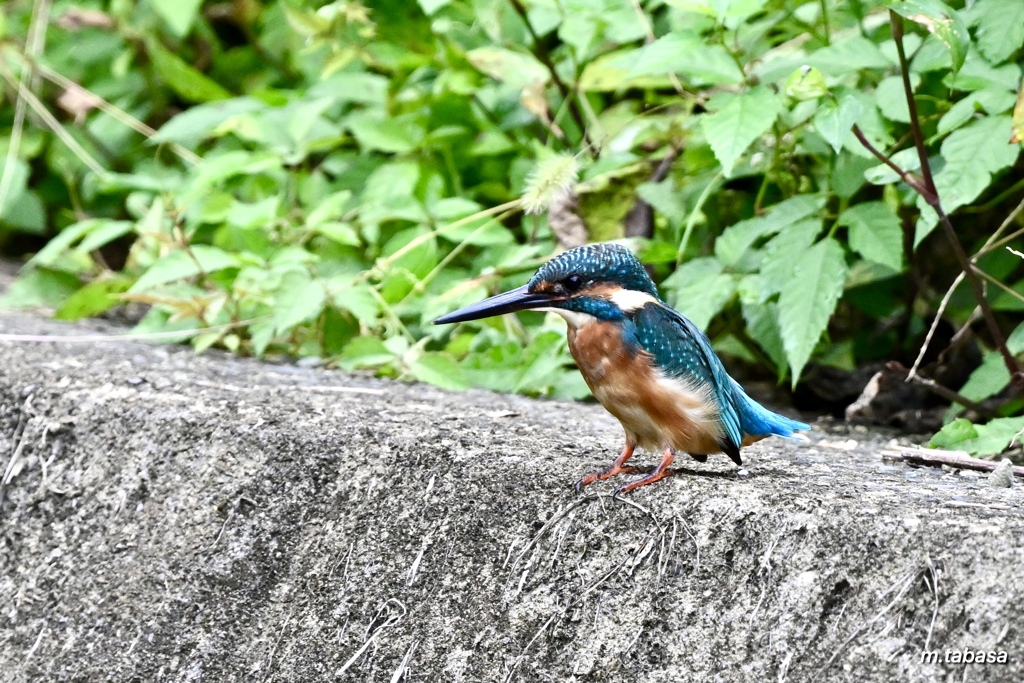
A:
[518,299]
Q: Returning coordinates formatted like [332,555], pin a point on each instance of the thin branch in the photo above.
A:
[910,180]
[898,368]
[110,109]
[34,44]
[1009,290]
[51,121]
[992,243]
[915,120]
[936,458]
[540,51]
[948,394]
[931,197]
[935,324]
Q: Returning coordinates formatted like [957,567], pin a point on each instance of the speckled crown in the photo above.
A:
[598,263]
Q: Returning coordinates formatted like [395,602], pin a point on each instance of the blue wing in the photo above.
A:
[683,351]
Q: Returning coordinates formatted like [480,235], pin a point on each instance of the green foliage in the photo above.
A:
[980,439]
[328,178]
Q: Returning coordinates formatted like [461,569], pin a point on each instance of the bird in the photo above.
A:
[646,363]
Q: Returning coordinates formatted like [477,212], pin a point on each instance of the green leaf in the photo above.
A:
[729,12]
[808,300]
[307,22]
[58,246]
[102,234]
[180,265]
[518,69]
[806,83]
[966,173]
[942,21]
[1017,124]
[995,436]
[355,297]
[783,249]
[834,122]
[480,232]
[25,211]
[298,299]
[191,126]
[22,209]
[1015,342]
[849,56]
[700,289]
[891,97]
[610,72]
[439,369]
[738,119]
[257,215]
[989,100]
[339,232]
[364,352]
[177,14]
[762,322]
[430,7]
[847,177]
[1000,28]
[978,73]
[189,83]
[685,53]
[495,367]
[40,288]
[990,135]
[540,362]
[984,439]
[329,208]
[94,298]
[875,233]
[954,434]
[737,239]
[987,379]
[907,159]
[394,135]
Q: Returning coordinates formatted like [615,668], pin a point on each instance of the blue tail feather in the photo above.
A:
[756,420]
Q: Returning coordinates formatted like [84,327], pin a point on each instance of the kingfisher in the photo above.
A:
[645,362]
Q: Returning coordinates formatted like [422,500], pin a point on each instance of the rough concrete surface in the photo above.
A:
[167,517]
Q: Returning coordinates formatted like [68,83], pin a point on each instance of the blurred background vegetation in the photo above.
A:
[324,179]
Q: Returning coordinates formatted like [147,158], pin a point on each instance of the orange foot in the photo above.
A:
[660,472]
[618,467]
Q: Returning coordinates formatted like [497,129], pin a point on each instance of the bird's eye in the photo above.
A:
[573,283]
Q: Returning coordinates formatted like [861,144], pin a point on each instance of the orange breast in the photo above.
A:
[656,412]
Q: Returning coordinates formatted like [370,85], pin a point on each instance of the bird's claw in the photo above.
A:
[601,476]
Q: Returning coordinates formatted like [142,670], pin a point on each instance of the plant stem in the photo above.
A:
[540,51]
[824,21]
[915,119]
[691,222]
[931,197]
[910,180]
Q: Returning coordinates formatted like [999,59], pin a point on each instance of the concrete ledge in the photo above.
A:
[179,518]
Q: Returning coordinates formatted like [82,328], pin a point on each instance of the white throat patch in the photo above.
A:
[574,319]
[629,300]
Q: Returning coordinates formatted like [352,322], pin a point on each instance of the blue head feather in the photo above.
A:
[593,263]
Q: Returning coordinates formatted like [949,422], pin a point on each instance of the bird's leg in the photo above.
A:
[660,472]
[618,467]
